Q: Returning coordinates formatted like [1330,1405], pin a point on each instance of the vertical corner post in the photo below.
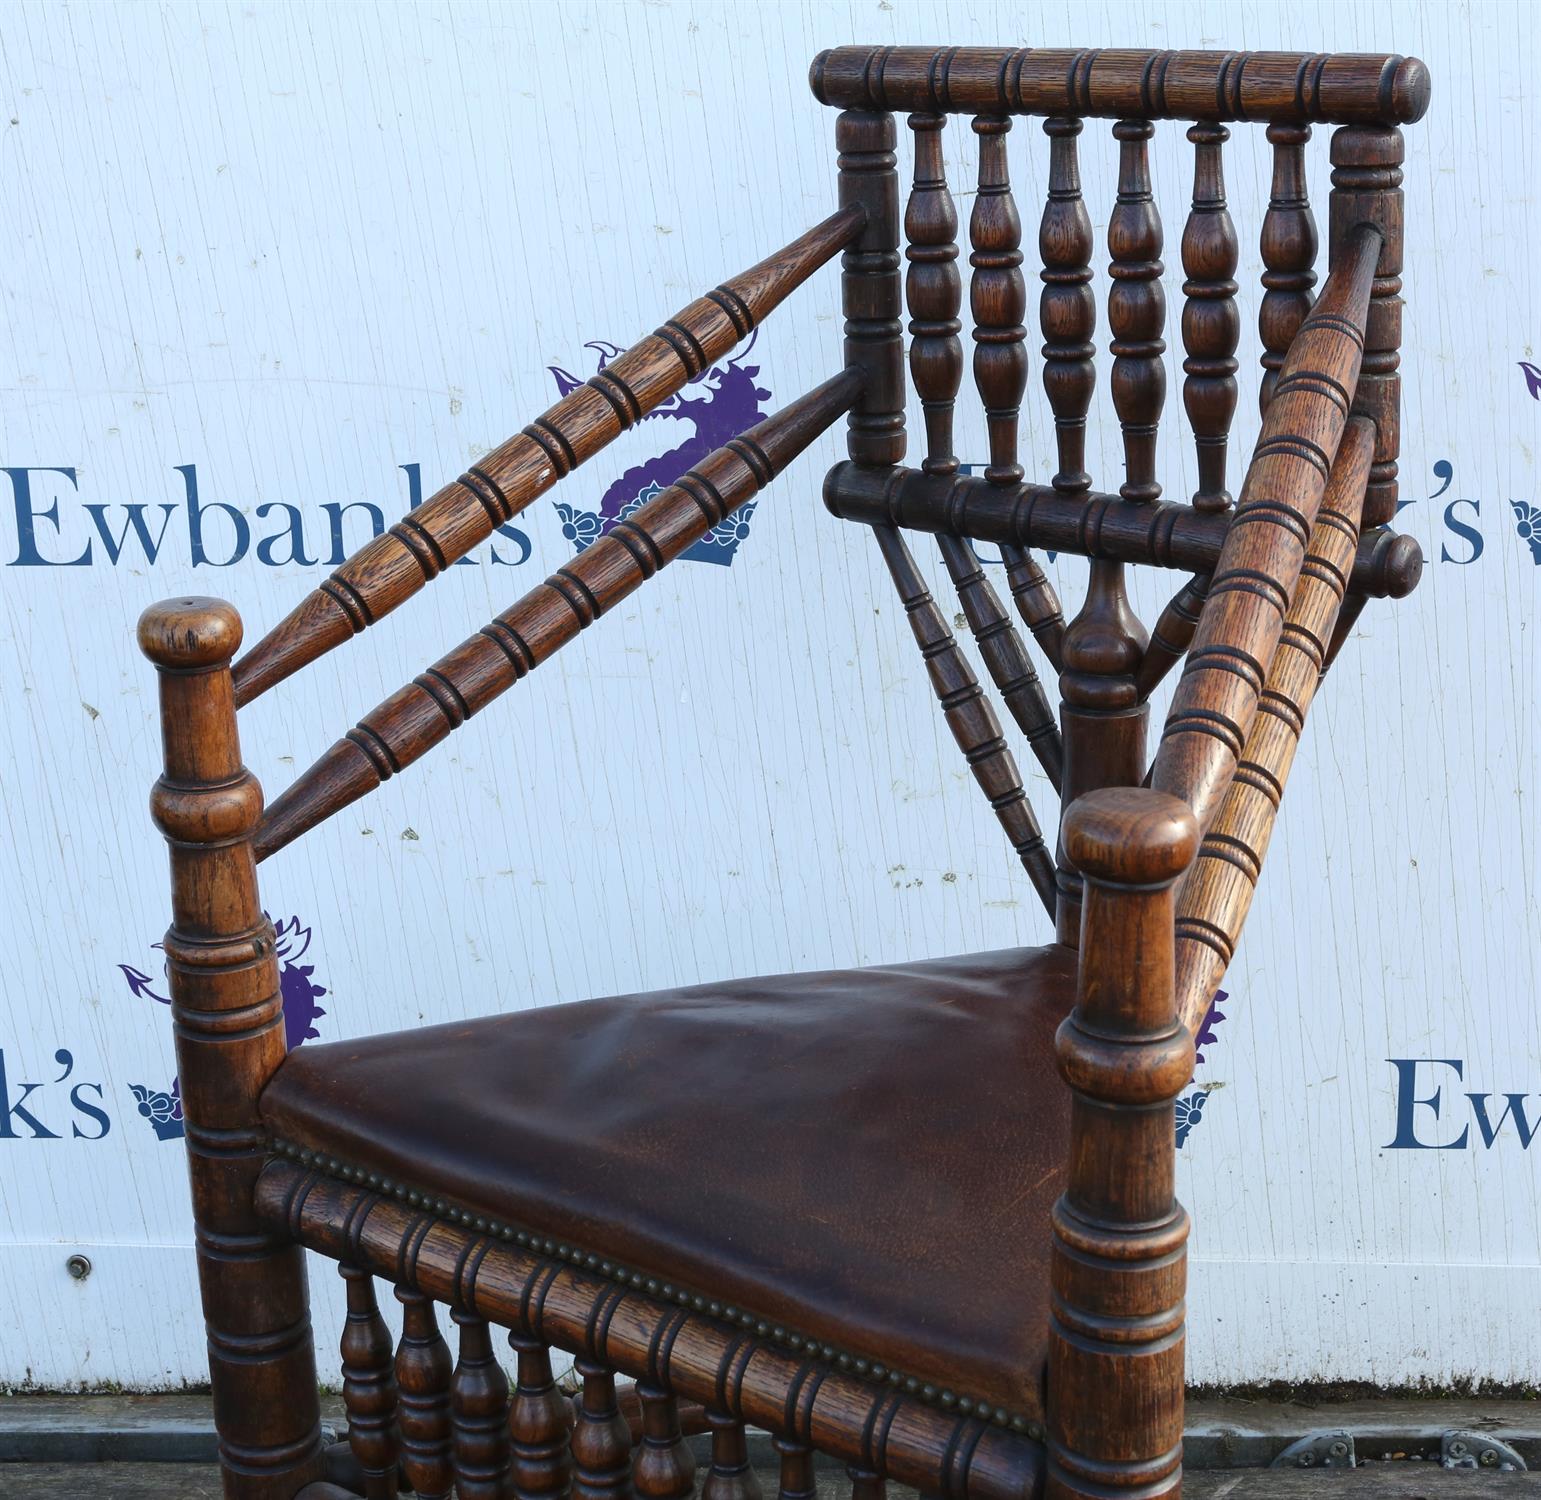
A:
[1367,189]
[228,1013]
[871,286]
[1118,1267]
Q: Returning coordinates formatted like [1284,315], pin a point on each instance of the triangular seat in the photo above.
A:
[861,1158]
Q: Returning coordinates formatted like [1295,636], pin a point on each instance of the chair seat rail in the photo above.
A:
[944,1445]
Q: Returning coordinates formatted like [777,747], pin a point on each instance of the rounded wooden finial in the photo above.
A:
[1130,835]
[1410,89]
[194,631]
[1404,566]
[816,76]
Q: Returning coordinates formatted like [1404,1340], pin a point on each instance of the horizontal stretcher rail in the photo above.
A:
[1340,88]
[1387,565]
[388,570]
[556,1292]
[423,713]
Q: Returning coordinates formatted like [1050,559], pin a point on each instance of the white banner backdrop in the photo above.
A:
[273,272]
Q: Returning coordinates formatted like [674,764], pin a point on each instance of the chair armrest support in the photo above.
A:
[1119,1265]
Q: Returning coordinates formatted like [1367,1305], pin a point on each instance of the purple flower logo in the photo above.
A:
[729,400]
[1190,1107]
[299,991]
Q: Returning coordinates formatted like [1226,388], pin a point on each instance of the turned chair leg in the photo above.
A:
[222,965]
[1119,1260]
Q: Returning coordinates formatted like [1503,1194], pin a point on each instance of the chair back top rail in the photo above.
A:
[1217,893]
[423,713]
[1342,88]
[1386,565]
[1254,579]
[389,569]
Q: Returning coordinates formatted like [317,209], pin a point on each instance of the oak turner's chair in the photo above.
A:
[921,1217]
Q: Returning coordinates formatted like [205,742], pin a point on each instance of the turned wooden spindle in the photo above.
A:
[389,569]
[1254,579]
[998,300]
[369,1386]
[866,1485]
[228,1013]
[998,303]
[1067,309]
[419,716]
[540,1422]
[923,1443]
[1289,254]
[1137,311]
[1211,325]
[1037,602]
[871,290]
[664,1468]
[1102,714]
[1004,655]
[1343,627]
[1067,316]
[1118,1267]
[1211,329]
[797,1480]
[874,344]
[934,291]
[969,714]
[479,1412]
[731,1475]
[601,1440]
[423,1370]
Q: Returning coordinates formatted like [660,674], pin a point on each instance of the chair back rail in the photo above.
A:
[1217,894]
[1255,575]
[1386,564]
[388,570]
[424,712]
[1116,83]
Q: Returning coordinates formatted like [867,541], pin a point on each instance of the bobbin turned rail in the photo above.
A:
[1385,564]
[1342,88]
[616,1320]
[388,570]
[424,712]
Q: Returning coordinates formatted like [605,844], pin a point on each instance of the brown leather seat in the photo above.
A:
[864,1157]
